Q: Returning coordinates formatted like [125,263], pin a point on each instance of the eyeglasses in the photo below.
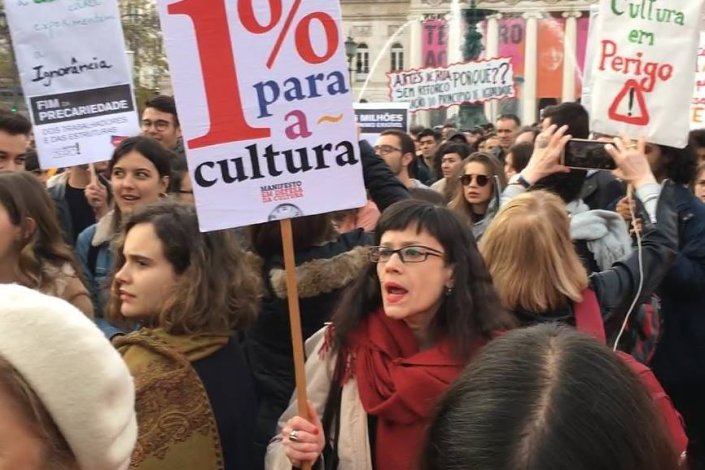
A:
[385,149]
[408,254]
[159,125]
[183,191]
[481,180]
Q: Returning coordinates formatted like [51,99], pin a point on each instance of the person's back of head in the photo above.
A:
[548,398]
[531,258]
[567,185]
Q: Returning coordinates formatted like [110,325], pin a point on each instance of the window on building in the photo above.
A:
[397,57]
[362,61]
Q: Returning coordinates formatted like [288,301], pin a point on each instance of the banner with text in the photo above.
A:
[469,82]
[697,107]
[75,77]
[644,68]
[265,106]
[374,118]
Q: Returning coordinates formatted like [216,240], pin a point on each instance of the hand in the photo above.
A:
[97,197]
[546,159]
[630,157]
[623,209]
[309,435]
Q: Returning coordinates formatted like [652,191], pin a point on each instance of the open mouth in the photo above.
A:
[129,198]
[394,292]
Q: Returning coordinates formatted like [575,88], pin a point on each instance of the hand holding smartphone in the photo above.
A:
[587,154]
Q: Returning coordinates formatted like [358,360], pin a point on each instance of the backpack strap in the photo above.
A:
[588,316]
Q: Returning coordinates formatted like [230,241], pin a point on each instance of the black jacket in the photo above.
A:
[616,287]
[680,355]
[322,272]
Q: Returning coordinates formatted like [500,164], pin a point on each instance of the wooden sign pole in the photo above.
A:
[297,341]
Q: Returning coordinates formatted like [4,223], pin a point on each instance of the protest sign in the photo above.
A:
[697,107]
[265,106]
[644,68]
[469,82]
[374,118]
[75,77]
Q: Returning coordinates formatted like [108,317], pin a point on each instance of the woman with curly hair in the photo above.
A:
[32,250]
[191,293]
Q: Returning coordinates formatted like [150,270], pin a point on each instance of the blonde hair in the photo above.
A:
[57,454]
[459,204]
[530,256]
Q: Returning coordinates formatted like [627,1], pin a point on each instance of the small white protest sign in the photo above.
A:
[75,76]
[375,118]
[469,82]
[265,105]
[644,67]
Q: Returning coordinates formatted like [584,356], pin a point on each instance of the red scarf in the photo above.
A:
[400,385]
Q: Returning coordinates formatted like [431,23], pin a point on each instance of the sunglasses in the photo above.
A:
[481,180]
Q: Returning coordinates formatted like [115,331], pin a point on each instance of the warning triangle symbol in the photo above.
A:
[630,105]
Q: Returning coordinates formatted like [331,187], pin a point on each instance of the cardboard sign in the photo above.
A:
[75,76]
[644,67]
[469,82]
[697,107]
[375,118]
[265,104]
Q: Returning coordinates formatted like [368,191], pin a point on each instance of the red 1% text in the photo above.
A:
[218,65]
[302,32]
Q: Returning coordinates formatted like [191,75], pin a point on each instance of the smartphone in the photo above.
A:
[587,154]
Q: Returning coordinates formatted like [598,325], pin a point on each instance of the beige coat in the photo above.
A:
[353,444]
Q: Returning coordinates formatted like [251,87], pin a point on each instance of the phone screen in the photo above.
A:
[588,154]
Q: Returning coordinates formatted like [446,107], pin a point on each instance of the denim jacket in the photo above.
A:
[97,277]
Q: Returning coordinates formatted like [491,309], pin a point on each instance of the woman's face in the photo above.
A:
[700,186]
[147,278]
[449,163]
[136,182]
[413,291]
[478,191]
[20,447]
[10,234]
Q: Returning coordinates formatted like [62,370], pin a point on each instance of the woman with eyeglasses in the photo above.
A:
[477,198]
[401,334]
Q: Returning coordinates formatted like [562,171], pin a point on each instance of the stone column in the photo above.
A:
[416,61]
[570,61]
[531,52]
[492,50]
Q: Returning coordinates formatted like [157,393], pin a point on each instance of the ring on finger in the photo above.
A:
[294,436]
[631,146]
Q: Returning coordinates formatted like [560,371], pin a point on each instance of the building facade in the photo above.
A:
[546,40]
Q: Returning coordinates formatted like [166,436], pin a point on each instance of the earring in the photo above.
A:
[449,290]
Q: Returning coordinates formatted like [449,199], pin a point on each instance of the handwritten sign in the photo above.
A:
[697,107]
[375,118]
[643,68]
[434,48]
[265,105]
[75,76]
[469,82]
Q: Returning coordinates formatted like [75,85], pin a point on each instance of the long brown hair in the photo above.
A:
[496,173]
[30,208]
[57,453]
[219,287]
[530,256]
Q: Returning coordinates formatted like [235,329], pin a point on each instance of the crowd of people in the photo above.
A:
[488,308]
